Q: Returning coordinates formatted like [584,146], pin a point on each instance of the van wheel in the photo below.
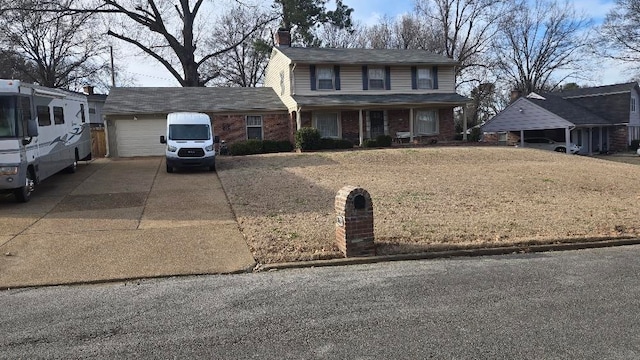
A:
[23,194]
[212,167]
[169,169]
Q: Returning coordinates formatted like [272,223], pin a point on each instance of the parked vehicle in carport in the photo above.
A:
[549,144]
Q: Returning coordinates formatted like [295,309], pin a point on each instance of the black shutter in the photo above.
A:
[387,78]
[414,77]
[365,78]
[312,76]
[336,73]
[435,77]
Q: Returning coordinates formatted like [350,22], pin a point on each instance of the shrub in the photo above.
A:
[635,144]
[458,137]
[384,140]
[343,144]
[369,143]
[270,146]
[327,143]
[308,139]
[475,135]
[284,146]
[248,147]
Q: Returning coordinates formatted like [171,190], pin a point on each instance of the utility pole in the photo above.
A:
[113,73]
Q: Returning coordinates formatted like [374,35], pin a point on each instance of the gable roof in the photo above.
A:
[364,56]
[598,90]
[565,109]
[161,100]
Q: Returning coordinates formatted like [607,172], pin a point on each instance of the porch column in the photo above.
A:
[600,142]
[464,122]
[411,125]
[567,139]
[521,138]
[590,141]
[299,119]
[360,127]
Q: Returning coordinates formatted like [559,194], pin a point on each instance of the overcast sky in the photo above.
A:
[146,72]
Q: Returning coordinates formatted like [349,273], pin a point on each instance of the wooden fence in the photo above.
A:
[98,143]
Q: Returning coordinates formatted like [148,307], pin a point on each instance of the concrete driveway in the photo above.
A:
[120,219]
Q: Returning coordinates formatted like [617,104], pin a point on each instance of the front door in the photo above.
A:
[376,119]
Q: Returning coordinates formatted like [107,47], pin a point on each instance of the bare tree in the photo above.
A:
[621,31]
[539,42]
[60,51]
[461,29]
[245,64]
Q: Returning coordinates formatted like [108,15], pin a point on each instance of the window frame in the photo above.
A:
[381,79]
[424,70]
[48,113]
[332,78]
[317,115]
[633,104]
[436,121]
[253,126]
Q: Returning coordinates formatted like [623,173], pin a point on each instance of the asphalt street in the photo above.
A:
[563,305]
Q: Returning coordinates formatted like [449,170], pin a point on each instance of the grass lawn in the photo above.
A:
[430,198]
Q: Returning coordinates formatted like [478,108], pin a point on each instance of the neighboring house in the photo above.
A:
[357,94]
[96,103]
[600,119]
[136,117]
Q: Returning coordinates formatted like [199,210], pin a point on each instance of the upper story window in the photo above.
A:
[324,74]
[633,104]
[376,78]
[424,78]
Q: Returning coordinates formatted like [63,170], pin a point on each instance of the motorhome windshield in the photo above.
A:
[189,132]
[8,123]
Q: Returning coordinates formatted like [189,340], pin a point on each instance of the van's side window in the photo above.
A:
[44,115]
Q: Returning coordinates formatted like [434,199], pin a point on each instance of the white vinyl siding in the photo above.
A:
[426,122]
[254,127]
[328,124]
[279,64]
[351,81]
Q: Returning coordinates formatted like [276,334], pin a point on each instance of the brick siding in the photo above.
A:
[233,128]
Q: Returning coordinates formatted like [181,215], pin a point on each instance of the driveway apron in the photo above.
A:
[120,219]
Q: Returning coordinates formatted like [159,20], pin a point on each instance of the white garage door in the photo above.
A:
[140,137]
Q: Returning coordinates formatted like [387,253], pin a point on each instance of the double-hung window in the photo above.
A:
[254,127]
[633,104]
[426,122]
[327,125]
[324,75]
[376,78]
[425,78]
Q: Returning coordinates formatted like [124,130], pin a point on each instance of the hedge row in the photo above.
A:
[253,146]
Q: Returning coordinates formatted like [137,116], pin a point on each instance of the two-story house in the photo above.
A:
[599,119]
[356,94]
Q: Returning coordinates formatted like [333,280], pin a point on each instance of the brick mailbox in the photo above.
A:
[354,222]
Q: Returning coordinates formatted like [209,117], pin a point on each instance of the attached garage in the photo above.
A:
[140,137]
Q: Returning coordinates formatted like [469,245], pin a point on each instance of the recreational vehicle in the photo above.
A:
[42,131]
[190,141]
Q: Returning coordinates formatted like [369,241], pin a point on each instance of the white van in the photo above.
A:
[190,141]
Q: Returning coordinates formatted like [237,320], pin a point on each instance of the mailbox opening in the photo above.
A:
[359,202]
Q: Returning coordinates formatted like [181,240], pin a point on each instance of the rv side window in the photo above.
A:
[44,116]
[82,113]
[58,115]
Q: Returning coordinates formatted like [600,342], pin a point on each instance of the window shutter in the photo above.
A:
[336,73]
[312,76]
[365,78]
[387,77]
[414,77]
[435,77]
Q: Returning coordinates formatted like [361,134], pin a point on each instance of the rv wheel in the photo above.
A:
[23,194]
[72,168]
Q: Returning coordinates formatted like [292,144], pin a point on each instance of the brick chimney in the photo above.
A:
[88,89]
[283,38]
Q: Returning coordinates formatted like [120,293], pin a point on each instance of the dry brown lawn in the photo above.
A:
[430,198]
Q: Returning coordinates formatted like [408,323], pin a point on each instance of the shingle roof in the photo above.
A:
[386,99]
[598,90]
[160,100]
[364,56]
[568,111]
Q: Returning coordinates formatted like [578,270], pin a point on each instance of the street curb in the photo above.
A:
[449,254]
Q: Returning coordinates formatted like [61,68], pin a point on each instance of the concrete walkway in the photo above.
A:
[120,219]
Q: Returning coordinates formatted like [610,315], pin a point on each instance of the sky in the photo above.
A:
[146,72]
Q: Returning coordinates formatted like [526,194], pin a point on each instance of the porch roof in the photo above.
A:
[346,100]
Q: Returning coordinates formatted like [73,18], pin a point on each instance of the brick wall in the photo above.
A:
[447,127]
[233,128]
[398,121]
[618,137]
[351,126]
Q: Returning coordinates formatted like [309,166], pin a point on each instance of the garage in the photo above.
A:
[140,137]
